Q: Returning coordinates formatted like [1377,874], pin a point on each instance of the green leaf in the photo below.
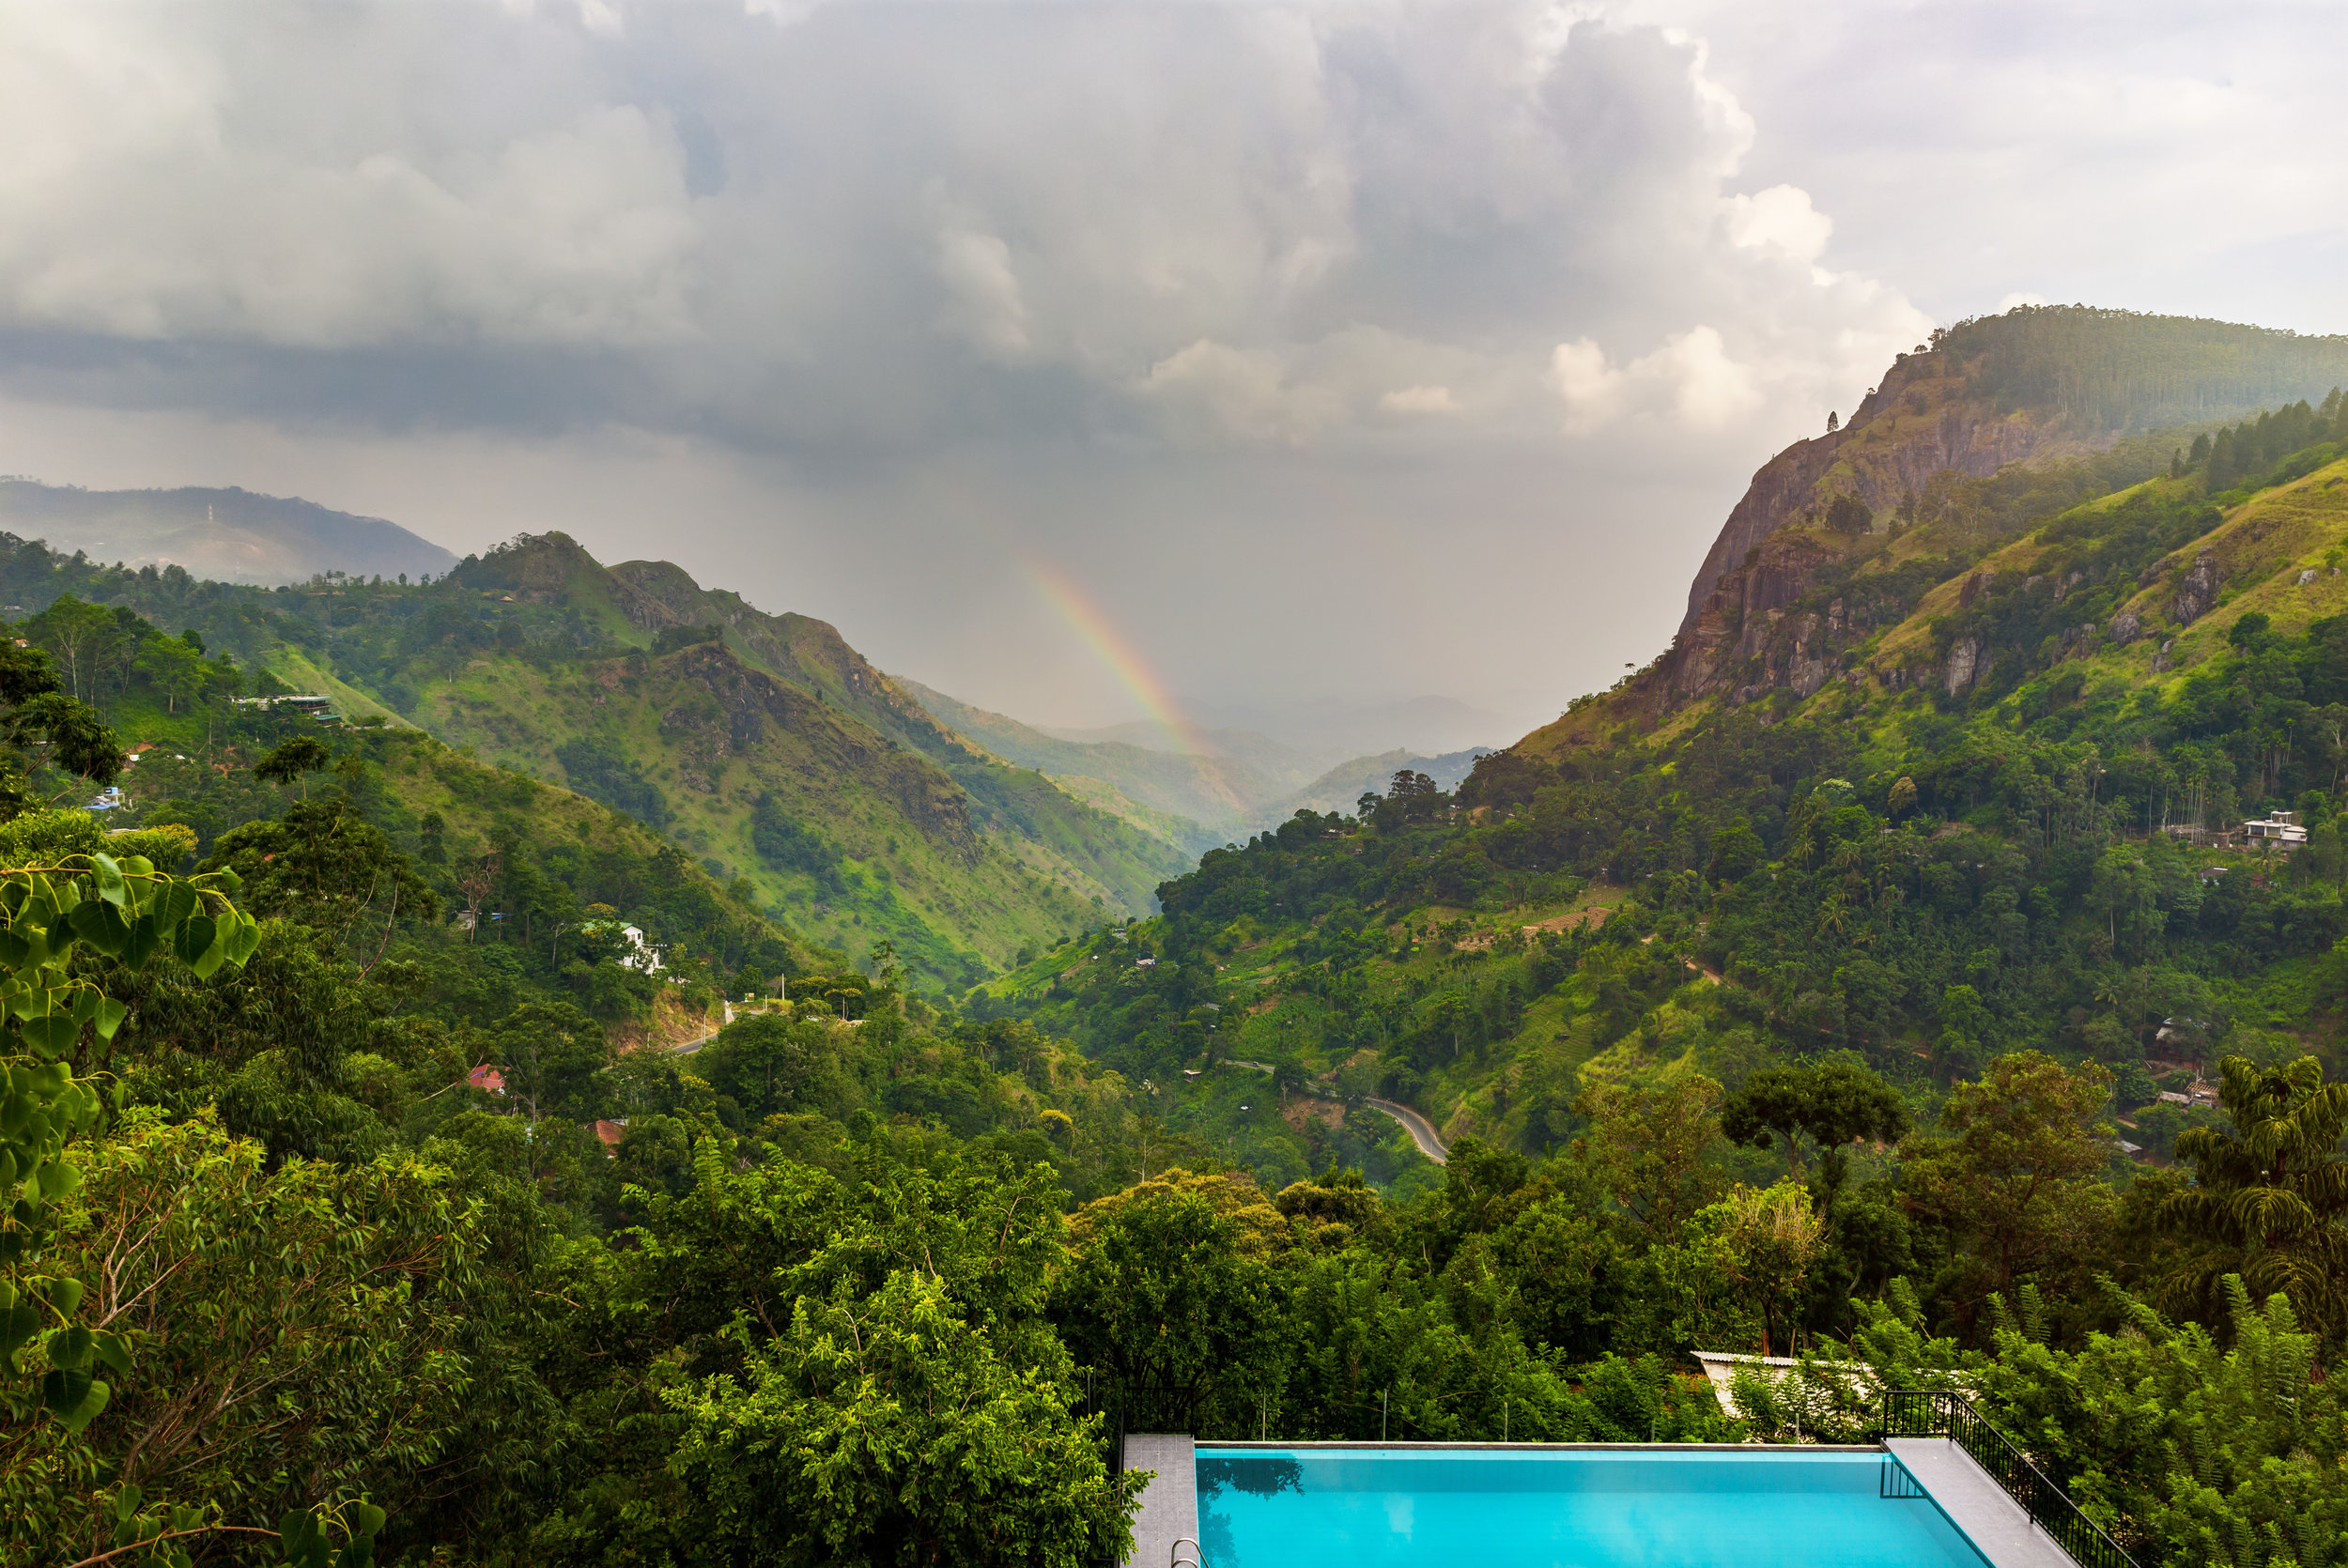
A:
[111,887]
[69,1349]
[243,937]
[110,1016]
[14,950]
[75,1398]
[127,1501]
[51,1035]
[63,1391]
[194,939]
[101,926]
[114,1350]
[174,903]
[59,1178]
[65,1295]
[18,1324]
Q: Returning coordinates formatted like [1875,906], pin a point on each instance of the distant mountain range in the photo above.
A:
[229,535]
[1234,784]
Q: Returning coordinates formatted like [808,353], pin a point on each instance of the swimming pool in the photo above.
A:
[1304,1507]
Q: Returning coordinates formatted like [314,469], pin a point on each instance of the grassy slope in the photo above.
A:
[713,735]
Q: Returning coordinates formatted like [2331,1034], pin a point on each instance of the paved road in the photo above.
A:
[1422,1132]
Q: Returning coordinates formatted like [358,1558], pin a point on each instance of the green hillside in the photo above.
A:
[762,746]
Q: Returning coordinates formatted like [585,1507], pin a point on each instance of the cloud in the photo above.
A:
[840,234]
[1781,219]
[152,200]
[1419,400]
[1594,391]
[1366,297]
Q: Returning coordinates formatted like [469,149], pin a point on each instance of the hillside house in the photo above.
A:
[639,955]
[2283,829]
[488,1078]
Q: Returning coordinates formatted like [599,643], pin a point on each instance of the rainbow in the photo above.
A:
[1109,645]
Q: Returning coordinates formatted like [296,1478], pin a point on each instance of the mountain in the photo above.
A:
[2034,788]
[1237,783]
[764,747]
[1188,798]
[1995,422]
[227,535]
[1343,786]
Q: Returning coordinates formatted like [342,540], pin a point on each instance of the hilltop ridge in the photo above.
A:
[229,535]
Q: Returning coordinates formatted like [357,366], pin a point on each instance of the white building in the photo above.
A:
[2283,828]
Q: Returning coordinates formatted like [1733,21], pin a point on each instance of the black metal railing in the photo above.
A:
[1920,1413]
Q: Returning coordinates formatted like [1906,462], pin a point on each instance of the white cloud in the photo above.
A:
[984,306]
[1419,400]
[2020,297]
[1781,219]
[1594,391]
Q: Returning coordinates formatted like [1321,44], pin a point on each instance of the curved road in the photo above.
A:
[1422,1132]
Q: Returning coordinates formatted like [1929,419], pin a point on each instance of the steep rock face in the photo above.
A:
[1927,418]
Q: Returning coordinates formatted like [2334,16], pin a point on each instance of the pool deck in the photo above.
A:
[2000,1528]
[1169,1504]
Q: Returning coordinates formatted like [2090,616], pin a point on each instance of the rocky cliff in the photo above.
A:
[1928,419]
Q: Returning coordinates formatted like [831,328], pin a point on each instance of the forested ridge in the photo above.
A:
[700,716]
[1920,1029]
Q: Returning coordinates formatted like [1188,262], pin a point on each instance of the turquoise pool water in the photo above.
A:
[1388,1507]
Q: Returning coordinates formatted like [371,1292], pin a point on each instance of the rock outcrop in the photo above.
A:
[2197,595]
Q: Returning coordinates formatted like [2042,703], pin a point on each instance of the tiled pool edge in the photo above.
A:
[1169,1504]
[1966,1495]
[1975,1506]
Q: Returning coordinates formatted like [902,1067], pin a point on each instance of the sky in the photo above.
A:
[1086,360]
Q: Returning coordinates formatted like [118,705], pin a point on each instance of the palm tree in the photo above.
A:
[2269,1199]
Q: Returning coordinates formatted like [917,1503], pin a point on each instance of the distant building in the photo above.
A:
[641,955]
[488,1078]
[610,1134]
[2283,828]
[301,702]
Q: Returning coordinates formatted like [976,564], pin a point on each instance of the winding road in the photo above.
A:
[1422,1132]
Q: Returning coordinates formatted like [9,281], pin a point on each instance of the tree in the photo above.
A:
[1833,1103]
[887,1429]
[763,1061]
[173,668]
[74,630]
[2269,1199]
[291,761]
[2014,1172]
[323,864]
[1165,1296]
[1647,1148]
[1764,1243]
[52,1357]
[1833,421]
[1849,516]
[551,1052]
[295,1328]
